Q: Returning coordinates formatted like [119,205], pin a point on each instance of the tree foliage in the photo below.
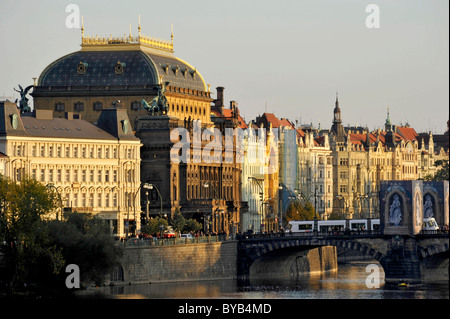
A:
[178,221]
[29,253]
[153,225]
[442,173]
[296,211]
[37,247]
[192,226]
[87,242]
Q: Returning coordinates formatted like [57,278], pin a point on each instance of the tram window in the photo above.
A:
[305,227]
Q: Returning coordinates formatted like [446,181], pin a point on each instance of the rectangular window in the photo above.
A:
[115,200]
[107,200]
[78,107]
[75,200]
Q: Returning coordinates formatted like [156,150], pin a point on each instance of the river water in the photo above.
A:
[353,280]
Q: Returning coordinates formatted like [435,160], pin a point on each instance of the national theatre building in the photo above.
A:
[135,73]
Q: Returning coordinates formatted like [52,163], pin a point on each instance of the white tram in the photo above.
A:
[334,225]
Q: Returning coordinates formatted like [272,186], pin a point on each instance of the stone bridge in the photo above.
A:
[413,258]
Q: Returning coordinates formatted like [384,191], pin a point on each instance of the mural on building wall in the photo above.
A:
[395,210]
[428,206]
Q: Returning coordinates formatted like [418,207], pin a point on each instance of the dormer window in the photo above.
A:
[118,70]
[82,68]
[175,70]
[185,72]
[193,73]
[166,68]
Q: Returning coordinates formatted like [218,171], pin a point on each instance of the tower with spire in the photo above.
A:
[388,124]
[337,129]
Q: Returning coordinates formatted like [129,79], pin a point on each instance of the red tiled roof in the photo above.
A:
[227,113]
[408,133]
[300,132]
[276,123]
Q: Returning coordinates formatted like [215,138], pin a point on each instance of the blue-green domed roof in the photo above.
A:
[119,68]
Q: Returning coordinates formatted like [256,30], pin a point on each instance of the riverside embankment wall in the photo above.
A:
[202,261]
[215,261]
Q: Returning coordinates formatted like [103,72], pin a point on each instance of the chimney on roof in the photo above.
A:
[43,114]
[218,103]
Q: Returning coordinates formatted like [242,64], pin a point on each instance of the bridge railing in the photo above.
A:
[141,242]
[360,233]
[438,232]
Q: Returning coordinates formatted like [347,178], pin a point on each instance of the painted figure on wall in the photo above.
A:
[395,211]
[428,207]
[418,219]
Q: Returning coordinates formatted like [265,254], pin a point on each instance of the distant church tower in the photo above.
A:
[337,129]
[388,124]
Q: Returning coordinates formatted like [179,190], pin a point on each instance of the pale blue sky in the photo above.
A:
[291,55]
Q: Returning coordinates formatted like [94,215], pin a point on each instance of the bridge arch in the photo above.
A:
[434,259]
[252,250]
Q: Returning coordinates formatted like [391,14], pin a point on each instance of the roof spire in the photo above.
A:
[139,26]
[171,35]
[82,28]
[388,124]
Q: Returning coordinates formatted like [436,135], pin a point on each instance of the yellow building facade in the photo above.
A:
[92,170]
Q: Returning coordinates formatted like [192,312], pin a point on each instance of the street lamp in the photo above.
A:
[150,186]
[145,185]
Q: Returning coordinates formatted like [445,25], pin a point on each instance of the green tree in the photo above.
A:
[87,242]
[297,211]
[29,253]
[178,221]
[152,227]
[442,173]
[192,226]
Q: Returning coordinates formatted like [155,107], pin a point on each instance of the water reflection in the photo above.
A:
[349,282]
